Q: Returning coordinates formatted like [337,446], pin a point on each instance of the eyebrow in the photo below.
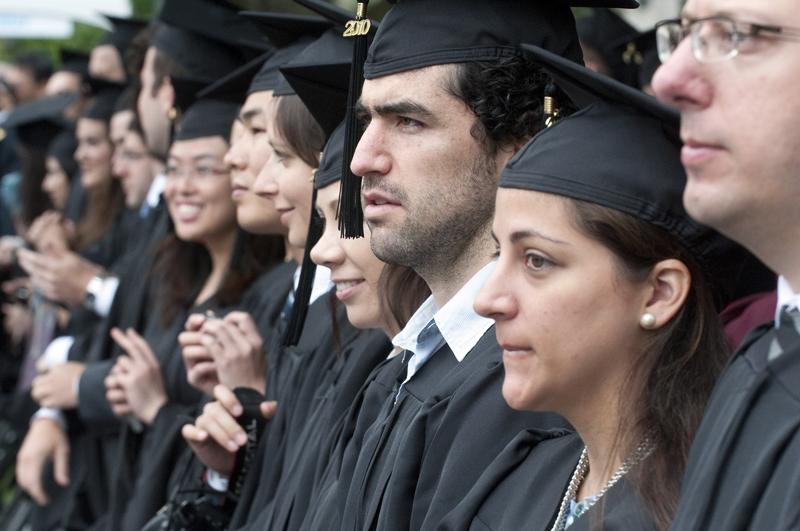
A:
[246,116]
[523,234]
[394,108]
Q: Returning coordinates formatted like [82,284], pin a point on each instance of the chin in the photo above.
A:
[517,395]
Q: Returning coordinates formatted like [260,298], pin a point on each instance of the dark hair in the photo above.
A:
[136,126]
[103,206]
[133,59]
[299,129]
[506,96]
[401,291]
[670,383]
[183,267]
[39,65]
[164,66]
[33,200]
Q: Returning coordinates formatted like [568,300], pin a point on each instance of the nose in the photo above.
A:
[495,300]
[679,82]
[265,184]
[371,157]
[328,250]
[236,155]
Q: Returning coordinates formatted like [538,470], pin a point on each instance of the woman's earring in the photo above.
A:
[648,321]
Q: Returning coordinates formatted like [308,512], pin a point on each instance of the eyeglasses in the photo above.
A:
[133,156]
[202,173]
[715,38]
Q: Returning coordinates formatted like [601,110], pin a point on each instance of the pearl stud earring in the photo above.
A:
[648,321]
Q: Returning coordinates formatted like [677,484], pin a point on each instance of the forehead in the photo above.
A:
[754,10]
[88,126]
[211,146]
[429,86]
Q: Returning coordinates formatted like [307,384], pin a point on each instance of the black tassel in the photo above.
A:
[351,216]
[302,294]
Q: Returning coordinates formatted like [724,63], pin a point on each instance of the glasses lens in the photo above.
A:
[712,39]
[668,37]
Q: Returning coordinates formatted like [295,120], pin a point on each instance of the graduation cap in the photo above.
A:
[37,123]
[634,145]
[186,93]
[62,148]
[290,34]
[639,56]
[75,61]
[122,33]
[207,117]
[104,95]
[320,75]
[611,36]
[236,86]
[218,21]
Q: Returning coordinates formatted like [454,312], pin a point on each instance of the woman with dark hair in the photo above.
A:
[605,298]
[61,169]
[206,266]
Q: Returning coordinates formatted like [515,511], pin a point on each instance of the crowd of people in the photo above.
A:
[473,266]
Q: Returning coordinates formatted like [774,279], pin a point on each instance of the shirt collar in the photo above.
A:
[460,326]
[156,188]
[322,282]
[787,298]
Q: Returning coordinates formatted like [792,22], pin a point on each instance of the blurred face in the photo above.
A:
[198,190]
[417,149]
[354,267]
[56,183]
[63,82]
[105,63]
[738,124]
[94,153]
[133,166]
[23,83]
[152,112]
[247,156]
[566,319]
[118,127]
[286,180]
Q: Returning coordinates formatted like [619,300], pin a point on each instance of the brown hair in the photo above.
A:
[103,206]
[183,267]
[299,129]
[164,66]
[401,291]
[670,382]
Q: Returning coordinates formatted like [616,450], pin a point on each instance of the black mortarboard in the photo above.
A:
[634,145]
[186,93]
[218,21]
[609,34]
[290,34]
[330,164]
[638,56]
[63,149]
[206,118]
[75,61]
[320,75]
[235,87]
[37,123]
[104,99]
[122,32]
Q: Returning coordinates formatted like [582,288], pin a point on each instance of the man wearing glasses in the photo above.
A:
[732,67]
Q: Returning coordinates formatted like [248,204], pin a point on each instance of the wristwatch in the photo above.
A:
[93,290]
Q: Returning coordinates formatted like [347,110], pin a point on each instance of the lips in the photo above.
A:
[377,204]
[346,288]
[696,152]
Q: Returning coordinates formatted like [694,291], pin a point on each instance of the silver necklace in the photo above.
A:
[640,454]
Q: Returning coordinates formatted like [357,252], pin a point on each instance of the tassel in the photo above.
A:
[302,295]
[350,213]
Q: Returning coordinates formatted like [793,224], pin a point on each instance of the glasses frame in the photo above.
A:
[740,31]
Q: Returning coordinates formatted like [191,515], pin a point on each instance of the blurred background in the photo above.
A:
[49,25]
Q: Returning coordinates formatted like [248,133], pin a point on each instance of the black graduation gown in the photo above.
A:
[524,486]
[451,416]
[294,375]
[306,451]
[744,465]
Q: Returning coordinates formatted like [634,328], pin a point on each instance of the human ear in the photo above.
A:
[166,95]
[666,289]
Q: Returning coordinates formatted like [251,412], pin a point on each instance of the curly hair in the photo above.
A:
[507,97]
